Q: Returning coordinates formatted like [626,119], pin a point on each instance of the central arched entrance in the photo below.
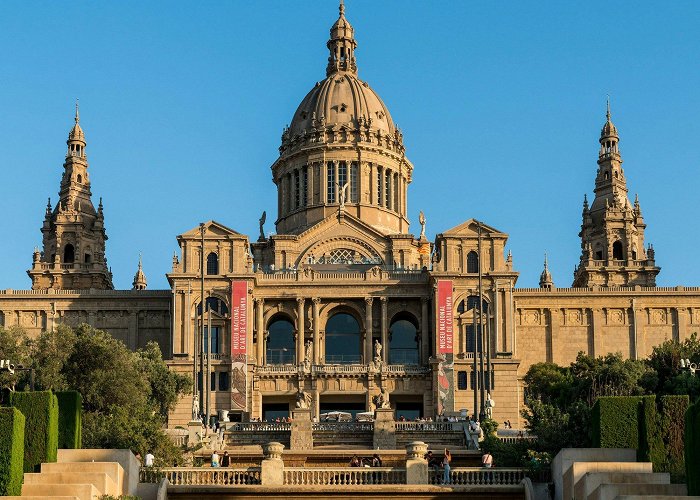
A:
[343,340]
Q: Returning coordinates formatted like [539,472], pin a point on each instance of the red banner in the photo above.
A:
[444,316]
[239,317]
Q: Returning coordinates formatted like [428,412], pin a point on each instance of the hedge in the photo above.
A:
[692,448]
[70,405]
[672,411]
[41,427]
[651,446]
[11,451]
[615,422]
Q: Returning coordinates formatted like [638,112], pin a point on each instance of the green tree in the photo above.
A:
[50,352]
[165,385]
[15,346]
[670,377]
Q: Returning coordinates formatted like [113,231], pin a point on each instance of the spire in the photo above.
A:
[546,276]
[139,278]
[341,45]
[77,111]
[76,137]
[609,130]
[585,203]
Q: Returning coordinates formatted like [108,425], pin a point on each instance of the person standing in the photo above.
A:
[214,459]
[226,460]
[446,465]
[487,459]
[376,460]
[149,459]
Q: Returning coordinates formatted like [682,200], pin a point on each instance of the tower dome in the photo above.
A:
[342,150]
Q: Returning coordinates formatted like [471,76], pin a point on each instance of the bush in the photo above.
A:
[615,422]
[651,446]
[672,411]
[692,448]
[41,427]
[11,451]
[70,407]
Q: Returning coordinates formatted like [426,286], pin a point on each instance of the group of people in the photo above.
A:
[437,462]
[375,461]
[223,461]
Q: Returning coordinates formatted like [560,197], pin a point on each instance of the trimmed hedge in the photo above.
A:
[651,446]
[11,451]
[692,448]
[41,427]
[70,406]
[615,422]
[672,411]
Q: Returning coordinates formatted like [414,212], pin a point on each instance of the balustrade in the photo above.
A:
[349,427]
[219,476]
[430,426]
[343,476]
[473,476]
[260,427]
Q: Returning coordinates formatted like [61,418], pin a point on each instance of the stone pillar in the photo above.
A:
[368,329]
[385,330]
[416,465]
[317,348]
[595,347]
[424,331]
[301,437]
[384,429]
[272,466]
[300,330]
[380,186]
[194,432]
[260,354]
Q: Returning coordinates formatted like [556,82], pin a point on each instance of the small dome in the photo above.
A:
[341,99]
[76,133]
[609,130]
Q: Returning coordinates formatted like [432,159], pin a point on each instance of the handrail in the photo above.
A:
[324,476]
[430,426]
[221,476]
[475,476]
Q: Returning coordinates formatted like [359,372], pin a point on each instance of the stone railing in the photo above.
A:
[516,439]
[343,476]
[221,476]
[351,369]
[259,427]
[288,369]
[477,476]
[411,370]
[430,426]
[349,427]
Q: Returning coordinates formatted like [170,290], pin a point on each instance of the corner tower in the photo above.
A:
[74,236]
[612,232]
[342,151]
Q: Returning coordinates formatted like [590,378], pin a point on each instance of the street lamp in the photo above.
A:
[691,367]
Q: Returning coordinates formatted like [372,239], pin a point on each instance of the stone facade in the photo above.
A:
[342,306]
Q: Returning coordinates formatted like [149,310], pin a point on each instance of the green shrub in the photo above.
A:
[651,446]
[70,408]
[11,451]
[672,419]
[692,448]
[41,427]
[615,422]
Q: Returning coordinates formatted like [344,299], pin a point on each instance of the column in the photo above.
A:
[291,191]
[594,342]
[380,185]
[497,320]
[317,348]
[368,329]
[260,354]
[371,184]
[323,183]
[424,331]
[300,330]
[385,330]
[309,185]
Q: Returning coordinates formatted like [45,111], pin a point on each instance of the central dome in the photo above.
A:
[342,152]
[341,99]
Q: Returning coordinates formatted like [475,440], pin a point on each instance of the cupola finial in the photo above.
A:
[77,110]
[341,45]
[341,8]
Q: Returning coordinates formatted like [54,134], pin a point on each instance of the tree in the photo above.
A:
[165,386]
[50,353]
[670,377]
[15,346]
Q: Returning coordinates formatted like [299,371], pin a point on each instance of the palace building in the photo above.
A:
[344,308]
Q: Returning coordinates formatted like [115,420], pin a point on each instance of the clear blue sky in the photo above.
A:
[501,105]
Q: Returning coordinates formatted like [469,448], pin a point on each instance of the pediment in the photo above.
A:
[346,235]
[469,228]
[213,228]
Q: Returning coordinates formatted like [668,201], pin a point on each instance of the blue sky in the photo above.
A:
[500,103]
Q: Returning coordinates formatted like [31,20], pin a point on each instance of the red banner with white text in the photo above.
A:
[444,316]
[239,343]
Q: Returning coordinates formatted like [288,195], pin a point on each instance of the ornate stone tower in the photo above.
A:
[73,255]
[546,277]
[139,282]
[612,232]
[342,150]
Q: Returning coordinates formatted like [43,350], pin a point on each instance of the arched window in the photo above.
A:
[403,341]
[216,305]
[617,250]
[80,179]
[212,263]
[472,262]
[280,348]
[343,340]
[68,254]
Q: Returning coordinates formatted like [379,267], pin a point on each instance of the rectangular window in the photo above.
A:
[223,381]
[342,175]
[387,190]
[199,381]
[297,190]
[474,382]
[306,186]
[462,381]
[353,183]
[379,187]
[212,381]
[471,339]
[330,177]
[214,339]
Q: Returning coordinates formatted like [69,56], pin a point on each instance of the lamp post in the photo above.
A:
[687,365]
[202,302]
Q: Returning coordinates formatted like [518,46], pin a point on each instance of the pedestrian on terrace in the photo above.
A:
[446,465]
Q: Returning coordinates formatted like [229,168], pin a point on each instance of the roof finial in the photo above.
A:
[545,261]
[77,110]
[608,112]
[341,8]
[140,260]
